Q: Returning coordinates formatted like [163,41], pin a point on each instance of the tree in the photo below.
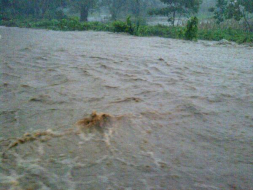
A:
[181,7]
[84,6]
[35,8]
[4,4]
[191,32]
[115,7]
[240,9]
[136,7]
[219,11]
[233,9]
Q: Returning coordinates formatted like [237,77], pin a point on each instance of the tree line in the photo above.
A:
[49,9]
[55,8]
[234,9]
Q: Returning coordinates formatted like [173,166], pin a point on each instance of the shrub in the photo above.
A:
[98,26]
[192,29]
[120,26]
[130,28]
[70,24]
[190,32]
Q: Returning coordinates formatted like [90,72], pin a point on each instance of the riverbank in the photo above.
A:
[136,28]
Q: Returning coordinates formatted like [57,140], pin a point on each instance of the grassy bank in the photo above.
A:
[132,27]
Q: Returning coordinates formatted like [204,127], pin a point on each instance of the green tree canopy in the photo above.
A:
[35,8]
[181,7]
[115,7]
[83,6]
[233,9]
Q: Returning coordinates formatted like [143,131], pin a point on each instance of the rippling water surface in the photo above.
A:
[177,114]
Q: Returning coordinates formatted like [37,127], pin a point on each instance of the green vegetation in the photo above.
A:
[230,19]
[233,9]
[137,27]
[57,9]
[191,32]
[120,26]
[229,34]
[177,8]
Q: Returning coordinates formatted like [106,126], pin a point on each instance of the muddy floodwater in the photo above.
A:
[98,110]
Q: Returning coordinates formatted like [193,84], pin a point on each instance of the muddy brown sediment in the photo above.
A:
[95,120]
[172,114]
[36,136]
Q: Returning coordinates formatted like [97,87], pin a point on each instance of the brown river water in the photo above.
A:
[171,114]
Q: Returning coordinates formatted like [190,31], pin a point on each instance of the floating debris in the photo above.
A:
[95,120]
[129,99]
[29,137]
